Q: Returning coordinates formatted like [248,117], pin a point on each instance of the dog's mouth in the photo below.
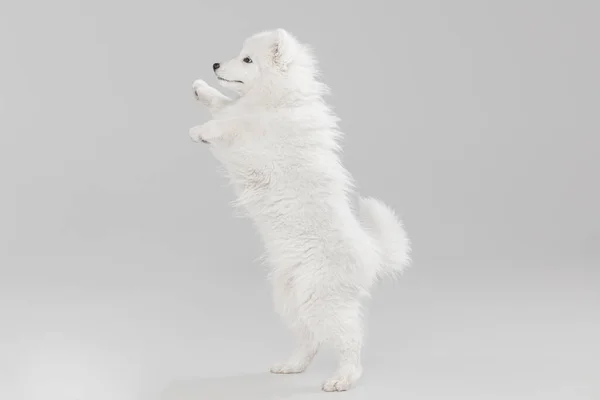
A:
[227,80]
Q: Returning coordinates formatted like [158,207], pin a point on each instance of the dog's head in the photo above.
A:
[269,59]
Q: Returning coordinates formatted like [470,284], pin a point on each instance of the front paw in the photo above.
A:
[200,87]
[196,134]
[204,133]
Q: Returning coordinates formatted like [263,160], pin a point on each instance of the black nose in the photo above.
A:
[216,66]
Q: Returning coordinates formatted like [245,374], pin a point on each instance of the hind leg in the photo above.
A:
[301,357]
[346,336]
[286,304]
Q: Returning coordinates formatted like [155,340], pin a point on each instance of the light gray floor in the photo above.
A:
[140,320]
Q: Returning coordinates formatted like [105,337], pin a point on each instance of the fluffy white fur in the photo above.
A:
[279,144]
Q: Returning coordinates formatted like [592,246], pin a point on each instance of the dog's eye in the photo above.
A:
[247,60]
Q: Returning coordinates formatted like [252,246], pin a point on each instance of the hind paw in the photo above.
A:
[287,369]
[338,384]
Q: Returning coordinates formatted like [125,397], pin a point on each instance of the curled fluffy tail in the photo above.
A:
[387,232]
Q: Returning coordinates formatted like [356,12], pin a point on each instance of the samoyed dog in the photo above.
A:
[278,143]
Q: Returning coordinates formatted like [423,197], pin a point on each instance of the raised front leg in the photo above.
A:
[209,131]
[221,130]
[209,96]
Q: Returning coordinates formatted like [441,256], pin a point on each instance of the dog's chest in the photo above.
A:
[268,178]
[253,178]
[250,168]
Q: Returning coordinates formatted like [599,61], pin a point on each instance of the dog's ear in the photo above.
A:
[283,49]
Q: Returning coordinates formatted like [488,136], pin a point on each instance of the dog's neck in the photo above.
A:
[277,93]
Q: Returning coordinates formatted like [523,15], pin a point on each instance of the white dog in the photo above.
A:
[278,143]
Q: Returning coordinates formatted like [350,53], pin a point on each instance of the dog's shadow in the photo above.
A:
[263,386]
